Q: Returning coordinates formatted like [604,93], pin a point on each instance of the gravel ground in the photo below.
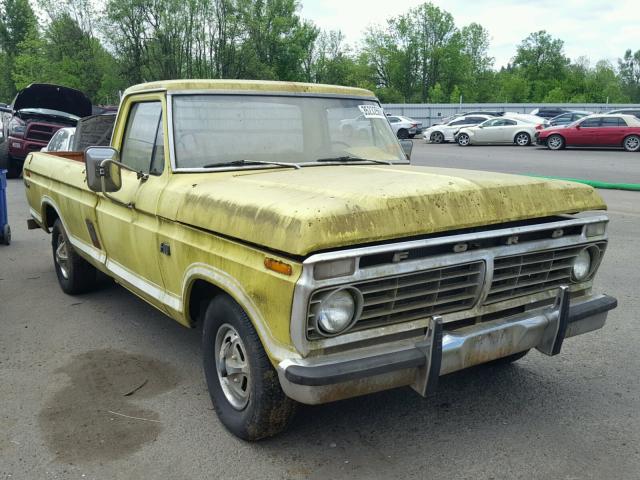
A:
[66,363]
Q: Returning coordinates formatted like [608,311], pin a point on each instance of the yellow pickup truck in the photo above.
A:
[285,219]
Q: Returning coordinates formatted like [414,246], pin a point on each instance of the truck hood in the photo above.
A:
[318,208]
[53,97]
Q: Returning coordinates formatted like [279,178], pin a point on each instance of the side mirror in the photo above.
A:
[103,171]
[577,127]
[407,147]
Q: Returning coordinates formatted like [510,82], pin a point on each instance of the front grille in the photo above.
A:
[518,275]
[41,133]
[412,296]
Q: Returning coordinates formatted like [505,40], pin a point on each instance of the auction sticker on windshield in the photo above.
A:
[371,111]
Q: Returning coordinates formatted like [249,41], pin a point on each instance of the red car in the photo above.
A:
[609,130]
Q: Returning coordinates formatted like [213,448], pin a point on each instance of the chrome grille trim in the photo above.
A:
[307,285]
[529,273]
[403,298]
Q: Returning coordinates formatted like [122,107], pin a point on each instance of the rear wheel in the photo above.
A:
[6,235]
[555,142]
[75,274]
[437,137]
[403,133]
[631,143]
[522,139]
[243,385]
[463,139]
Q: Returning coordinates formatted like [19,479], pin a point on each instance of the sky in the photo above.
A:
[591,28]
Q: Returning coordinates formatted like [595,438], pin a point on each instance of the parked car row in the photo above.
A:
[584,130]
[483,128]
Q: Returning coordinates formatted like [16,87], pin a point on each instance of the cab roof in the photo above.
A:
[261,86]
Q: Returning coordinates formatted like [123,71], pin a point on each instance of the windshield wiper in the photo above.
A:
[349,158]
[239,163]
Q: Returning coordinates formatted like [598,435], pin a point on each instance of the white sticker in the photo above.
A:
[371,111]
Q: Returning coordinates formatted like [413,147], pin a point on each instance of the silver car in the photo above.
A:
[446,132]
[62,141]
[404,127]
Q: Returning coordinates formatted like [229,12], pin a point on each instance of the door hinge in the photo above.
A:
[165,248]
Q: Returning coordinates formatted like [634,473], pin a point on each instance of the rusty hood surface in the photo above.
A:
[323,207]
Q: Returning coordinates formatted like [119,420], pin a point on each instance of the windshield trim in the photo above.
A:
[171,139]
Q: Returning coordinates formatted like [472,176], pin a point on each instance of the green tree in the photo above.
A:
[17,24]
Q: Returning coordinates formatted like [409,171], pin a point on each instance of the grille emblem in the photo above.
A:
[400,256]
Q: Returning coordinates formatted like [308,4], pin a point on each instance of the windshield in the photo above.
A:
[217,129]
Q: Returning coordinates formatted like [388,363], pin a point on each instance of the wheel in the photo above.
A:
[75,274]
[437,137]
[7,162]
[509,358]
[463,139]
[631,143]
[522,139]
[403,133]
[412,135]
[6,235]
[243,385]
[555,142]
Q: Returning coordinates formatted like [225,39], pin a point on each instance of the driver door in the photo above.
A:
[129,230]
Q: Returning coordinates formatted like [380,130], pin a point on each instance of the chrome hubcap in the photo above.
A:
[555,142]
[463,140]
[232,366]
[437,137]
[522,139]
[62,256]
[632,143]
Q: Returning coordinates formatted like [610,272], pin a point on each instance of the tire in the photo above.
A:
[555,142]
[256,407]
[631,143]
[6,235]
[7,162]
[437,137]
[412,135]
[464,140]
[522,139]
[403,133]
[509,359]
[75,274]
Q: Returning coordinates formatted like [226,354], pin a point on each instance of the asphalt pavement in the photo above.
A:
[66,364]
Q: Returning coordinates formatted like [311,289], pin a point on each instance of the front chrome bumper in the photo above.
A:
[420,363]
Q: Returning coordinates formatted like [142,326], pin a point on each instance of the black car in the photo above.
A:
[628,111]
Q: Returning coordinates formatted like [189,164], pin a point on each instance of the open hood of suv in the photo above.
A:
[53,97]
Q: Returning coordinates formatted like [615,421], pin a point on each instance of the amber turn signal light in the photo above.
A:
[278,266]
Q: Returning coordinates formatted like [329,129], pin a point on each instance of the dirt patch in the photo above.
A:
[95,416]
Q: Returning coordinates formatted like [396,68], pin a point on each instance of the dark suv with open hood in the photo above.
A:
[37,112]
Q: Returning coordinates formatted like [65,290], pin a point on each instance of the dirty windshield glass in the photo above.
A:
[219,129]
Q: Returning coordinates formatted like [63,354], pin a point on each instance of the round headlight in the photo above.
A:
[336,312]
[582,265]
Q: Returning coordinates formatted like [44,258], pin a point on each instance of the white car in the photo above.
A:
[404,127]
[446,132]
[62,141]
[498,130]
[529,118]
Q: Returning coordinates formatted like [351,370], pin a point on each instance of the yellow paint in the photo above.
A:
[220,226]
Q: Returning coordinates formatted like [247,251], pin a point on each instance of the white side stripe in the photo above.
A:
[149,288]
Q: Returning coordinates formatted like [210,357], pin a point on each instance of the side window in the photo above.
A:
[590,122]
[394,119]
[509,122]
[493,123]
[611,122]
[55,142]
[474,120]
[143,142]
[459,122]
